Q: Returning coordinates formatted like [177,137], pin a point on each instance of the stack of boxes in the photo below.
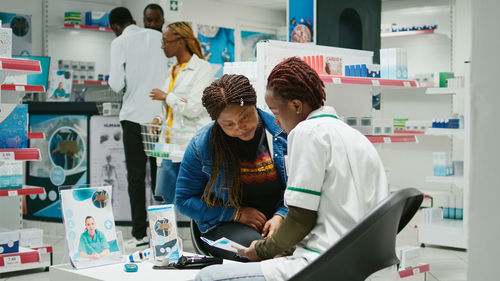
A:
[394,63]
[93,18]
[371,126]
[453,207]
[363,70]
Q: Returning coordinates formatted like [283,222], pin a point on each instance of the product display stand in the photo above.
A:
[10,199]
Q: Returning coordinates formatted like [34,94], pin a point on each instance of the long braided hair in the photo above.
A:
[185,32]
[229,89]
[294,79]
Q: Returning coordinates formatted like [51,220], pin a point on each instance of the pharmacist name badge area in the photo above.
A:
[90,226]
[63,161]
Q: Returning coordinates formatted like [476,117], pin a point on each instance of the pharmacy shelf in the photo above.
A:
[26,190]
[21,154]
[409,132]
[36,136]
[448,233]
[445,91]
[458,181]
[20,66]
[88,27]
[25,259]
[459,133]
[366,81]
[22,88]
[90,82]
[393,139]
[414,270]
[406,33]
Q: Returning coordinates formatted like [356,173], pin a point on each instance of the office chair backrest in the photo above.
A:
[195,238]
[370,245]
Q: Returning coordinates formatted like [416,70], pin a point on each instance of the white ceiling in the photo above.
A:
[270,4]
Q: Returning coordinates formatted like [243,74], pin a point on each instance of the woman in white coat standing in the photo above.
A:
[335,177]
[183,113]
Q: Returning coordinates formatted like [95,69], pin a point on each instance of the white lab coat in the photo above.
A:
[137,65]
[191,115]
[332,169]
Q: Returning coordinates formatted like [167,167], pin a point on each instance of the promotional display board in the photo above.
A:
[90,227]
[63,160]
[107,162]
[21,32]
[249,41]
[217,43]
[301,21]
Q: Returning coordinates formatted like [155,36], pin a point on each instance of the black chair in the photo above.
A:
[195,238]
[370,245]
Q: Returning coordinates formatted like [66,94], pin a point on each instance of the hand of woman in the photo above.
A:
[250,252]
[271,226]
[252,217]
[157,94]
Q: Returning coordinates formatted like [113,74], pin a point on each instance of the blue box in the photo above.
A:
[364,73]
[352,70]
[347,70]
[14,126]
[97,18]
[357,71]
[9,241]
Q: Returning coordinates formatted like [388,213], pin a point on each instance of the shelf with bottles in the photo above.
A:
[26,258]
[88,27]
[20,154]
[368,81]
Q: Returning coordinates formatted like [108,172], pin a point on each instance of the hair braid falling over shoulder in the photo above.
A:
[294,79]
[229,89]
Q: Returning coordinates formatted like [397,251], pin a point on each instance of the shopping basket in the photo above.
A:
[164,142]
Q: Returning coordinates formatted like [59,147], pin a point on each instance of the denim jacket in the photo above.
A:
[195,172]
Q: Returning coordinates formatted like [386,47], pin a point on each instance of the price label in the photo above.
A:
[387,140]
[7,156]
[80,82]
[1,65]
[12,260]
[376,83]
[406,84]
[12,192]
[20,88]
[102,28]
[42,250]
[77,26]
[336,80]
[416,270]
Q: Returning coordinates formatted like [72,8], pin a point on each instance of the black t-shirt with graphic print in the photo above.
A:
[262,186]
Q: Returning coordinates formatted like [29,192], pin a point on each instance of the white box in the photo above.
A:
[382,126]
[31,237]
[9,241]
[432,215]
[366,125]
[409,256]
[353,122]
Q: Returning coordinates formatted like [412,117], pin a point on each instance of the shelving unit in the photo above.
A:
[88,27]
[367,81]
[406,33]
[26,258]
[10,199]
[459,133]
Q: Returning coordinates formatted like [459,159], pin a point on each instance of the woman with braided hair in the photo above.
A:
[232,176]
[335,177]
[183,114]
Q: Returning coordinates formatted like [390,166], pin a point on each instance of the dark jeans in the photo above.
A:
[239,233]
[135,159]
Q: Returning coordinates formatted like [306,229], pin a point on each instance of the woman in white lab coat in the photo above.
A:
[335,177]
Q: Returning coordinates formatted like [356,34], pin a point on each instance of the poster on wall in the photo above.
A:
[21,32]
[217,43]
[107,162]
[89,226]
[249,41]
[301,21]
[60,85]
[63,161]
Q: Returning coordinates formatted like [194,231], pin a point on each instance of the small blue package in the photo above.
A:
[97,18]
[14,126]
